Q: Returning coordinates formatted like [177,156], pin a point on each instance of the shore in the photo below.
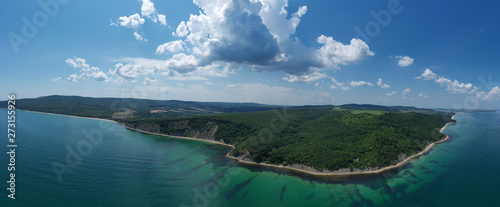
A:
[310,172]
[83,117]
[281,167]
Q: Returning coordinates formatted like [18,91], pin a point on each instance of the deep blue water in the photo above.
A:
[127,168]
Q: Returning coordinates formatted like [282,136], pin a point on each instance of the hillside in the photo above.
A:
[325,138]
[122,108]
[322,137]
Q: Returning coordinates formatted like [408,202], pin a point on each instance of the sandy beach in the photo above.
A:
[281,167]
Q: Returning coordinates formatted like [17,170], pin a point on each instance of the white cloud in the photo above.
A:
[149,82]
[162,19]
[139,37]
[455,86]
[55,79]
[494,94]
[360,83]
[258,35]
[422,95]
[407,90]
[173,46]
[182,30]
[179,67]
[404,61]
[391,93]
[182,63]
[253,34]
[427,75]
[333,53]
[133,21]
[451,86]
[85,70]
[382,85]
[274,15]
[148,10]
[130,71]
[100,76]
[306,77]
[338,85]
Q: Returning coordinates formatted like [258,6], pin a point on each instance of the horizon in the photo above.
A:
[360,104]
[272,52]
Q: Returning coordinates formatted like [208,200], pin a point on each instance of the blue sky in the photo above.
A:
[420,53]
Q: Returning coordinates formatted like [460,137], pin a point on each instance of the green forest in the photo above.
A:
[324,137]
[321,137]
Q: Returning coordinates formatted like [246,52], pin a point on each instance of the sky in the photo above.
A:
[430,54]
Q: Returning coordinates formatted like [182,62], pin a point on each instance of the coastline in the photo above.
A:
[281,167]
[83,117]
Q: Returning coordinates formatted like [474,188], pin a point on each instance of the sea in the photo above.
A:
[71,161]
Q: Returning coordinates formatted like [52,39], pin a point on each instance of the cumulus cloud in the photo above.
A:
[130,71]
[162,19]
[182,30]
[173,46]
[382,85]
[100,76]
[55,79]
[404,61]
[85,70]
[333,53]
[257,34]
[306,77]
[494,94]
[274,15]
[178,67]
[451,86]
[360,83]
[455,86]
[148,10]
[427,75]
[407,90]
[133,21]
[182,63]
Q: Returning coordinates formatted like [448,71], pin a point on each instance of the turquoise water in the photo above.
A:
[127,168]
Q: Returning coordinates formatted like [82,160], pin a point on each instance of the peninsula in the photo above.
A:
[319,140]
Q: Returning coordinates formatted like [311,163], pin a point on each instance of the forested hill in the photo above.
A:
[325,138]
[125,108]
[121,108]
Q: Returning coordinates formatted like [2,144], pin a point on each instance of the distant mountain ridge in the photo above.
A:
[127,107]
[120,108]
